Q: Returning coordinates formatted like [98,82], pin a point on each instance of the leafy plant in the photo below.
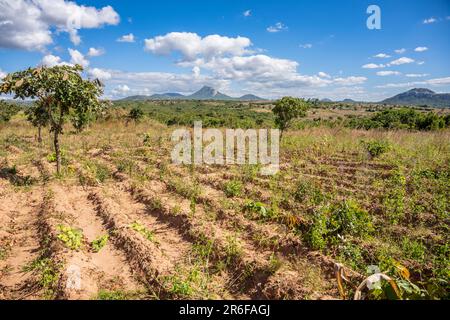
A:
[72,238]
[233,188]
[258,208]
[99,243]
[376,147]
[138,227]
[136,114]
[48,274]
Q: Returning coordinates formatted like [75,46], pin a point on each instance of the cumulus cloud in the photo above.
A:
[27,24]
[121,90]
[255,67]
[191,45]
[349,81]
[388,73]
[420,49]
[382,55]
[429,20]
[373,66]
[52,61]
[306,46]
[402,60]
[431,82]
[76,57]
[99,74]
[93,52]
[126,38]
[2,74]
[416,75]
[400,51]
[279,26]
[247,13]
[323,75]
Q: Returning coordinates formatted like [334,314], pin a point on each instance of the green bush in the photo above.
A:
[376,147]
[233,188]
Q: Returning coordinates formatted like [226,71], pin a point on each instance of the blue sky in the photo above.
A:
[269,48]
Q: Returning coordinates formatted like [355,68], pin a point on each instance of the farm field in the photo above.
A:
[136,226]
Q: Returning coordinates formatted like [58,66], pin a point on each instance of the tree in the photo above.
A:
[7,111]
[288,109]
[37,115]
[136,114]
[60,90]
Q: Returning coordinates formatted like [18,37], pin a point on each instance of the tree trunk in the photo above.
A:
[57,152]
[39,135]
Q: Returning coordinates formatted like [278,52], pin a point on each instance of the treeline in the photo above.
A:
[213,115]
[8,110]
[404,118]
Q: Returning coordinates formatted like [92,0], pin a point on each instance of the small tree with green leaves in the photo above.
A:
[60,91]
[37,115]
[287,109]
[7,111]
[136,114]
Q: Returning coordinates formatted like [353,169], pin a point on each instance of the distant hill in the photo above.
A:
[326,100]
[419,97]
[208,93]
[205,93]
[349,101]
[250,97]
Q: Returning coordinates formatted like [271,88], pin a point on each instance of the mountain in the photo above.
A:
[205,93]
[326,100]
[166,96]
[208,93]
[250,97]
[135,98]
[349,101]
[419,97]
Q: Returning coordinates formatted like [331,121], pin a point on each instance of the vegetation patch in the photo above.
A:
[71,237]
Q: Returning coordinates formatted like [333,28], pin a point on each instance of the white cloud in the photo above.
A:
[93,52]
[192,46]
[429,20]
[99,74]
[420,49]
[373,66]
[420,62]
[323,75]
[51,61]
[416,75]
[431,82]
[28,24]
[196,71]
[121,90]
[279,26]
[126,38]
[247,13]
[76,57]
[2,74]
[382,55]
[400,51]
[255,67]
[349,81]
[402,60]
[225,63]
[388,73]
[306,46]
